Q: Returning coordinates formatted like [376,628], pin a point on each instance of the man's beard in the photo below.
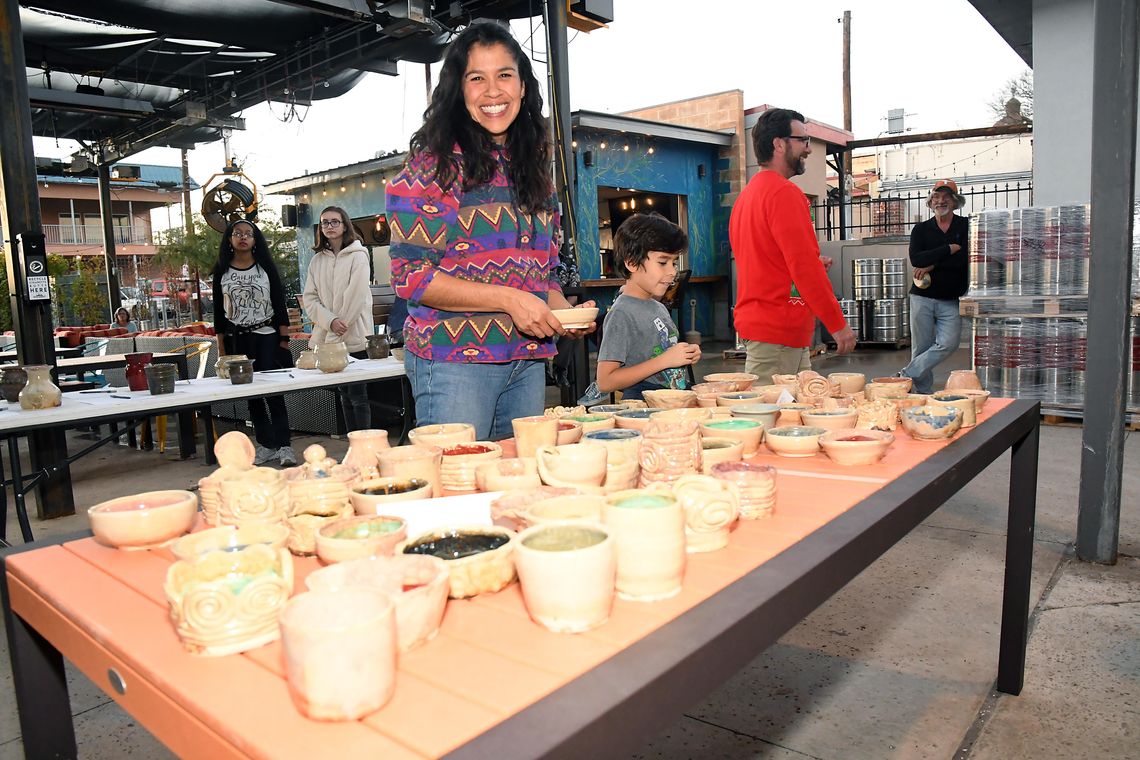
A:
[797,165]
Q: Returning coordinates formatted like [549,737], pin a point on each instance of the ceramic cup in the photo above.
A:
[717,450]
[567,572]
[571,508]
[576,465]
[960,401]
[617,440]
[711,507]
[507,475]
[748,432]
[420,461]
[532,432]
[340,652]
[444,435]
[755,487]
[649,530]
[457,471]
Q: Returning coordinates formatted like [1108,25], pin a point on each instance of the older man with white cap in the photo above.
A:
[938,252]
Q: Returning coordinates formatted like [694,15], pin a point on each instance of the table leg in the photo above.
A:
[1018,563]
[208,433]
[41,687]
[186,446]
[18,489]
[4,512]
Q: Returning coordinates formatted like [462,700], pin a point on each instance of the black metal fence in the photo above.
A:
[896,214]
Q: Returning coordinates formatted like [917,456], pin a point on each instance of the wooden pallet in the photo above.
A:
[1032,306]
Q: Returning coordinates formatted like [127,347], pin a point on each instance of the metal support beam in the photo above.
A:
[952,134]
[564,166]
[108,219]
[1116,34]
[20,212]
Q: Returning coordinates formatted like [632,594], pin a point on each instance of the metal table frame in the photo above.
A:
[614,708]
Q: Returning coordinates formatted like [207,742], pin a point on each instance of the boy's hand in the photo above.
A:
[682,354]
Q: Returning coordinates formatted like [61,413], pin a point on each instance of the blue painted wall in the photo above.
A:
[356,200]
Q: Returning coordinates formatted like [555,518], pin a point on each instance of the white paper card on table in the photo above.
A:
[423,515]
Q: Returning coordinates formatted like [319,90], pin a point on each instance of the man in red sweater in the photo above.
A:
[781,281]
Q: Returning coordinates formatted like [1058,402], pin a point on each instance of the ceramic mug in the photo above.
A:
[340,652]
[420,461]
[648,527]
[567,572]
[711,507]
[532,432]
[508,475]
[577,465]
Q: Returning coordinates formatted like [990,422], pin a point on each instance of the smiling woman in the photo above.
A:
[473,217]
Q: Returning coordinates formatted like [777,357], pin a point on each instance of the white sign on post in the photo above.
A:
[39,289]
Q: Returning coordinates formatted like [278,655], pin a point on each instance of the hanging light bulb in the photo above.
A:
[324,191]
[625,148]
[650,151]
[363,182]
[342,188]
[602,145]
[573,143]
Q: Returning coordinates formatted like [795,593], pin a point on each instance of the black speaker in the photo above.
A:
[701,171]
[588,158]
[288,215]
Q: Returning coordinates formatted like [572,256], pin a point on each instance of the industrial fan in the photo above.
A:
[230,200]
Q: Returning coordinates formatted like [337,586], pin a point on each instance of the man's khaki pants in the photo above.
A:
[767,359]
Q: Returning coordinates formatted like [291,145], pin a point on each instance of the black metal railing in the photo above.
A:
[896,213]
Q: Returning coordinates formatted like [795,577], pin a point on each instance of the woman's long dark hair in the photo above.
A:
[261,254]
[447,123]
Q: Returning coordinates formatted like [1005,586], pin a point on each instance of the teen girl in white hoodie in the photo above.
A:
[339,301]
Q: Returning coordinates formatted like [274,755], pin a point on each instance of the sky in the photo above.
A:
[939,60]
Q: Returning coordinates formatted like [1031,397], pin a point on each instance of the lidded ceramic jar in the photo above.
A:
[40,392]
[318,495]
[668,451]
[332,357]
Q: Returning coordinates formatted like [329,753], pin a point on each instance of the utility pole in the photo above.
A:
[427,82]
[845,163]
[188,230]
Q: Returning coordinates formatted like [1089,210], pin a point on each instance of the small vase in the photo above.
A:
[963,378]
[363,445]
[136,370]
[14,380]
[378,346]
[332,357]
[240,371]
[40,392]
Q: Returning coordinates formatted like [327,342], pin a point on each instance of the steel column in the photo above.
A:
[1116,33]
[108,220]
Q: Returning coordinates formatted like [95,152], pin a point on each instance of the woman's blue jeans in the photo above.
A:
[487,396]
[935,330]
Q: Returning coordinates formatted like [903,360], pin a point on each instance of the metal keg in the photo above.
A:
[885,317]
[1079,343]
[854,316]
[867,279]
[1073,248]
[989,239]
[1056,349]
[981,349]
[1021,362]
[904,317]
[896,283]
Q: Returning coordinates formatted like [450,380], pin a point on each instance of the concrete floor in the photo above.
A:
[899,664]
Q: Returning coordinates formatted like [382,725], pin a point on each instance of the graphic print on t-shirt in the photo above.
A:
[246,295]
[673,377]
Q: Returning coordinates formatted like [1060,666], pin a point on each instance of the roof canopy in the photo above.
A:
[125,75]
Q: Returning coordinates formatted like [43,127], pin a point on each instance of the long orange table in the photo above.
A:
[493,683]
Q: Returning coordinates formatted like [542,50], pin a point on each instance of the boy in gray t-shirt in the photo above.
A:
[639,348]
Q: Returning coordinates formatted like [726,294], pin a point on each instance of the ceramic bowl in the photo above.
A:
[830,419]
[855,447]
[792,413]
[980,397]
[569,431]
[931,423]
[741,381]
[580,508]
[457,471]
[634,419]
[368,497]
[609,408]
[875,390]
[911,400]
[737,397]
[906,382]
[770,394]
[848,382]
[573,319]
[478,557]
[510,474]
[667,398]
[960,401]
[683,414]
[717,450]
[748,432]
[419,584]
[356,537]
[509,510]
[794,440]
[592,420]
[765,414]
[229,538]
[706,389]
[143,521]
[446,434]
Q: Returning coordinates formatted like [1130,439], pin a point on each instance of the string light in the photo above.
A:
[342,188]
[324,191]
[650,151]
[602,145]
[363,182]
[573,143]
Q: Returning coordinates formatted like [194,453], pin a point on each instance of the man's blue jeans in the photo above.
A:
[487,396]
[935,330]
